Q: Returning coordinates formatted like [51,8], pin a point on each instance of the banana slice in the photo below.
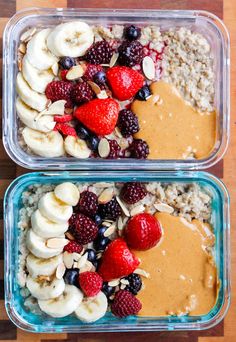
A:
[54,209]
[46,228]
[45,289]
[30,97]
[44,144]
[47,267]
[71,39]
[92,308]
[68,193]
[37,79]
[76,147]
[37,246]
[27,115]
[37,52]
[63,305]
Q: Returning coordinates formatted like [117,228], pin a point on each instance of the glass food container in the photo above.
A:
[42,323]
[200,21]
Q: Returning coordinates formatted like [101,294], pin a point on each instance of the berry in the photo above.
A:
[127,123]
[100,53]
[72,221]
[99,115]
[142,232]
[63,74]
[132,32]
[88,203]
[91,71]
[143,93]
[135,283]
[73,247]
[133,192]
[108,290]
[124,82]
[60,90]
[97,219]
[117,261]
[63,118]
[67,62]
[84,230]
[100,77]
[130,53]
[114,149]
[71,276]
[91,254]
[110,210]
[82,132]
[90,283]
[125,304]
[82,92]
[101,231]
[139,149]
[65,129]
[93,142]
[101,243]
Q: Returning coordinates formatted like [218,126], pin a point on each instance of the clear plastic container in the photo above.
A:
[43,323]
[204,22]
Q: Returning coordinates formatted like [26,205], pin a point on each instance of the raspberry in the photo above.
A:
[127,123]
[73,247]
[114,149]
[110,210]
[84,229]
[82,92]
[91,71]
[135,283]
[60,90]
[100,53]
[130,53]
[90,283]
[125,304]
[133,192]
[88,203]
[139,149]
[63,118]
[65,129]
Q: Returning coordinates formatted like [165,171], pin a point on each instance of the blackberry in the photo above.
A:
[114,149]
[67,62]
[135,283]
[88,203]
[110,210]
[82,92]
[84,229]
[127,123]
[130,53]
[132,32]
[143,94]
[139,149]
[100,53]
[133,192]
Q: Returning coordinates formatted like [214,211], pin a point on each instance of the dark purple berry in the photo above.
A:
[133,192]
[88,203]
[91,254]
[143,94]
[71,276]
[132,32]
[101,243]
[127,123]
[110,210]
[135,283]
[82,92]
[100,53]
[100,77]
[130,53]
[101,231]
[114,149]
[82,132]
[97,219]
[139,149]
[108,290]
[67,62]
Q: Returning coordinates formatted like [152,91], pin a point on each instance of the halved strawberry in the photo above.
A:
[65,129]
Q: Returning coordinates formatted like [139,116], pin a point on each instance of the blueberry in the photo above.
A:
[108,290]
[101,243]
[100,77]
[132,32]
[143,93]
[93,142]
[95,264]
[91,254]
[82,132]
[97,219]
[101,231]
[71,276]
[67,62]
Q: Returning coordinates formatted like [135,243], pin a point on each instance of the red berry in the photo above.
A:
[143,232]
[124,82]
[100,53]
[91,71]
[88,203]
[65,129]
[133,192]
[99,115]
[63,118]
[90,283]
[114,149]
[110,210]
[125,304]
[63,74]
[60,90]
[73,247]
[84,229]
[117,261]
[82,92]
[139,149]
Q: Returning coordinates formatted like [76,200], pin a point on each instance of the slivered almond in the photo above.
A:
[56,242]
[122,286]
[106,224]
[114,283]
[60,270]
[82,260]
[106,196]
[68,259]
[111,230]
[95,87]
[142,272]
[27,35]
[118,132]
[103,148]
[69,236]
[124,281]
[113,60]
[137,210]
[55,68]
[75,72]
[163,207]
[123,207]
[148,68]
[102,94]
[22,48]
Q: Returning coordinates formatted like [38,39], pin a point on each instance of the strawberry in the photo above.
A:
[90,283]
[143,232]
[65,129]
[117,261]
[124,82]
[99,115]
[63,118]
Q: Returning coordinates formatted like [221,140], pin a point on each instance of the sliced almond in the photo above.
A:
[68,259]
[56,242]
[118,132]
[102,95]
[22,48]
[137,210]
[122,286]
[82,260]
[104,148]
[106,223]
[27,35]
[114,59]
[55,68]
[142,272]
[95,87]
[106,196]
[111,230]
[56,108]
[163,207]
[69,236]
[148,68]
[124,281]
[123,207]
[75,72]
[60,270]
[88,266]
[114,283]
[103,185]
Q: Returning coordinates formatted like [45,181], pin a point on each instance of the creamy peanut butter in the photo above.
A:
[183,275]
[173,128]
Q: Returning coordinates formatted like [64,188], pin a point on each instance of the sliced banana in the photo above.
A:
[38,266]
[27,115]
[37,51]
[37,246]
[92,308]
[68,193]
[44,289]
[29,96]
[73,39]
[37,79]
[76,147]
[54,209]
[63,305]
[46,228]
[44,144]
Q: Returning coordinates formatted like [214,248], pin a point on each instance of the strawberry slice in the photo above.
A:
[65,129]
[63,118]
[117,261]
